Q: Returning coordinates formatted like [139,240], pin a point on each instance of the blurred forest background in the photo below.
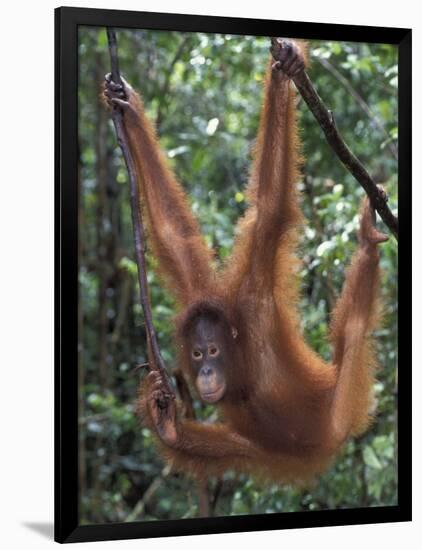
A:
[204,93]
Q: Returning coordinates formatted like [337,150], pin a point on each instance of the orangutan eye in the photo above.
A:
[213,350]
[196,354]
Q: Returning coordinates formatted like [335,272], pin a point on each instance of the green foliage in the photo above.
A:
[204,93]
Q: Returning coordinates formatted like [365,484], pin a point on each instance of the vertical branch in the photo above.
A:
[204,508]
[139,237]
[156,359]
[204,499]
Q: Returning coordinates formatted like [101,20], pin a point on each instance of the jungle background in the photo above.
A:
[204,93]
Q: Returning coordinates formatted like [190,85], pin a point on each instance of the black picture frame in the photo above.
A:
[67,21]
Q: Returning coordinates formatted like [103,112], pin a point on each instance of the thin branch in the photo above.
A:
[204,499]
[349,160]
[204,509]
[139,509]
[216,495]
[184,393]
[156,360]
[138,228]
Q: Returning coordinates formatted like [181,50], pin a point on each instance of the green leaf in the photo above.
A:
[370,458]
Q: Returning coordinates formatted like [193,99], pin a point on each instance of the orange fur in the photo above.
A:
[286,412]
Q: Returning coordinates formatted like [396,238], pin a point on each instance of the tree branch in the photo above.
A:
[334,139]
[154,353]
[156,360]
[204,508]
[139,509]
[350,161]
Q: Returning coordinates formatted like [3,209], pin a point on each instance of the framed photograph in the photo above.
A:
[229,294]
